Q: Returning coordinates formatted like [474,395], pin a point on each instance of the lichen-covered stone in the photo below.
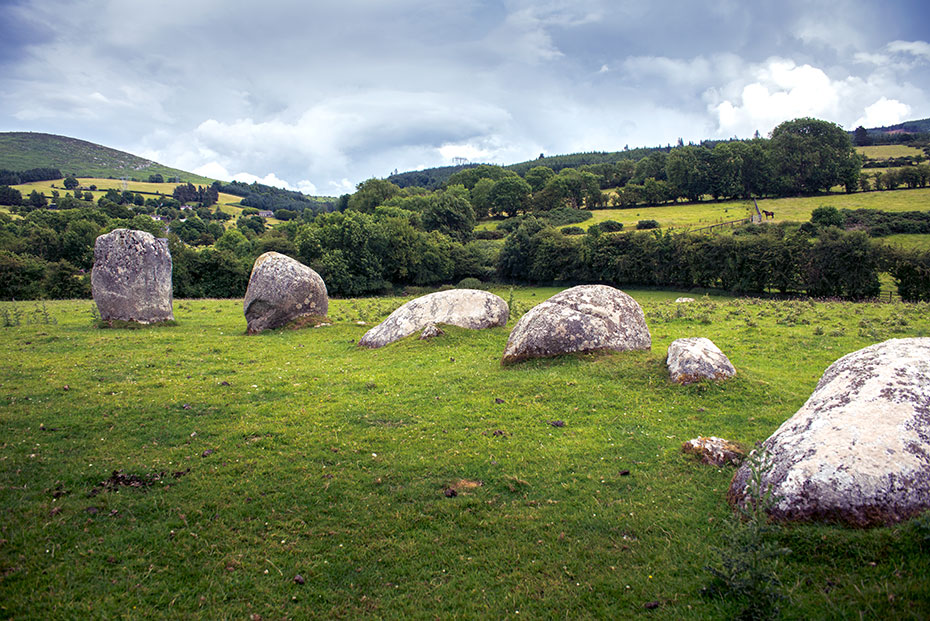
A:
[281,290]
[465,308]
[431,331]
[697,358]
[858,451]
[714,451]
[581,319]
[131,278]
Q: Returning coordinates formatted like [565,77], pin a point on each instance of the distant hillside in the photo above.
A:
[909,127]
[432,178]
[26,150]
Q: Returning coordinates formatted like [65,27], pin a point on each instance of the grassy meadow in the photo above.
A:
[228,203]
[888,151]
[191,471]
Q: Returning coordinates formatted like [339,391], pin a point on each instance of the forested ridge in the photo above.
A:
[384,236]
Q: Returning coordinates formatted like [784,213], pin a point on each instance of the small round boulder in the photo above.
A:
[131,278]
[697,358]
[280,291]
[581,319]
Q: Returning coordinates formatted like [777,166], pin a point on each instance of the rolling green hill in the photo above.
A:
[26,150]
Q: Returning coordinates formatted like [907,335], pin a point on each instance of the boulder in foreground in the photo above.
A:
[581,319]
[281,290]
[858,451]
[465,308]
[131,278]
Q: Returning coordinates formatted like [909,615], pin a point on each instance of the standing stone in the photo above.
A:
[580,319]
[465,308]
[131,278]
[281,290]
[694,359]
[858,451]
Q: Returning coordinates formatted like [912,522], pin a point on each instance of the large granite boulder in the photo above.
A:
[697,358]
[858,451]
[131,278]
[580,319]
[465,308]
[281,290]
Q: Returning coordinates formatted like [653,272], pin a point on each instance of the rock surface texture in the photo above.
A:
[695,359]
[858,451]
[281,290]
[580,319]
[131,278]
[465,308]
[714,451]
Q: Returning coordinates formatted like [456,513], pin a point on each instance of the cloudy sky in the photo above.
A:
[318,95]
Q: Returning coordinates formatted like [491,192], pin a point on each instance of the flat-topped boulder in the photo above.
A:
[697,358]
[581,319]
[858,451]
[131,277]
[465,308]
[281,290]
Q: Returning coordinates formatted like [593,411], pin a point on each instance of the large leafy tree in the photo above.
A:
[812,156]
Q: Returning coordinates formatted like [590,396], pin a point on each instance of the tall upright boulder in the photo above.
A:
[465,308]
[131,278]
[581,319]
[858,451]
[280,290]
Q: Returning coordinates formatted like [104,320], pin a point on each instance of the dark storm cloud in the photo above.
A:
[322,95]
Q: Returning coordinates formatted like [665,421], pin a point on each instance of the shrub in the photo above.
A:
[611,226]
[470,283]
[573,230]
[566,215]
[647,224]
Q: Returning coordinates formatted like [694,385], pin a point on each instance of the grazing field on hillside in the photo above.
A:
[694,215]
[193,471]
[887,151]
[227,202]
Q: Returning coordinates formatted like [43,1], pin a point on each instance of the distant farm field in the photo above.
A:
[195,472]
[229,203]
[694,215]
[884,152]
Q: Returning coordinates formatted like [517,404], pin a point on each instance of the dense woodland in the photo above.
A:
[384,236]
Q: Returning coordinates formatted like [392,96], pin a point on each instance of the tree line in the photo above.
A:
[384,236]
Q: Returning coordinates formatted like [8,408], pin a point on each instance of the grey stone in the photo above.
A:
[431,331]
[280,291]
[131,278]
[581,319]
[714,451]
[465,308]
[683,300]
[858,451]
[694,359]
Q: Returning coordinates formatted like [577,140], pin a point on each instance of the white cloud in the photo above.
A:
[914,48]
[884,112]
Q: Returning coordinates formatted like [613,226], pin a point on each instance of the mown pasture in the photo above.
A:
[228,203]
[888,151]
[192,471]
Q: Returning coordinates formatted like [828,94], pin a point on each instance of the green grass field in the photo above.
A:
[887,151]
[243,461]
[695,215]
[229,203]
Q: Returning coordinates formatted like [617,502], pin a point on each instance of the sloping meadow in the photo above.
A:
[193,471]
